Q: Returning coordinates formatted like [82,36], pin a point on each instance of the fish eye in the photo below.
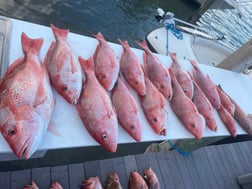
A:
[132,127]
[64,88]
[154,120]
[193,126]
[103,76]
[104,136]
[136,82]
[11,132]
[162,86]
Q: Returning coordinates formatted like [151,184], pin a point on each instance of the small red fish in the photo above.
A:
[131,69]
[56,185]
[113,182]
[154,106]
[96,110]
[226,102]
[136,181]
[156,71]
[206,85]
[127,110]
[105,64]
[26,100]
[182,76]
[151,179]
[185,110]
[32,186]
[92,183]
[228,120]
[63,67]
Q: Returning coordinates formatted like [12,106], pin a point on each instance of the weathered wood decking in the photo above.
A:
[208,167]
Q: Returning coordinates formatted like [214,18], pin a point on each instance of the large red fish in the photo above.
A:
[56,185]
[96,110]
[185,110]
[154,106]
[151,179]
[32,186]
[105,64]
[182,76]
[127,110]
[136,181]
[206,85]
[63,67]
[156,71]
[113,182]
[26,100]
[92,183]
[131,69]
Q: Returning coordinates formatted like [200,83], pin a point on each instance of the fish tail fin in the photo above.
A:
[31,45]
[171,73]
[194,64]
[143,45]
[124,44]
[59,33]
[86,65]
[173,56]
[98,36]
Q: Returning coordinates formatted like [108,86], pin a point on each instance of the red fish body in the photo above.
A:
[204,107]
[182,76]
[113,182]
[92,183]
[206,85]
[228,120]
[26,100]
[63,67]
[106,66]
[226,102]
[32,186]
[151,179]
[56,185]
[96,110]
[131,69]
[156,71]
[154,106]
[136,181]
[127,110]
[185,110]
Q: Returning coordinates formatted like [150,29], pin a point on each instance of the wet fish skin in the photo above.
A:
[185,110]
[228,120]
[136,181]
[206,85]
[226,102]
[96,110]
[63,67]
[154,106]
[26,100]
[151,179]
[32,186]
[92,183]
[56,185]
[182,76]
[113,181]
[106,65]
[156,71]
[127,110]
[131,69]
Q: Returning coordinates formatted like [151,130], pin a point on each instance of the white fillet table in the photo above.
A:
[70,131]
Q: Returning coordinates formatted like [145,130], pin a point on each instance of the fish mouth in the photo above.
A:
[25,149]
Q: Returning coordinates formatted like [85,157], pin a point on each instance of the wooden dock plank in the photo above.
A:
[119,167]
[5,179]
[41,176]
[20,178]
[76,175]
[106,169]
[130,164]
[246,153]
[92,169]
[165,171]
[142,162]
[187,179]
[60,174]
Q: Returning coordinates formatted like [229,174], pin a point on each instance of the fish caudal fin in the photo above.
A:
[124,44]
[59,33]
[86,65]
[31,45]
[98,36]
[143,45]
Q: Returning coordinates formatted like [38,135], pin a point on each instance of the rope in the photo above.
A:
[182,152]
[178,34]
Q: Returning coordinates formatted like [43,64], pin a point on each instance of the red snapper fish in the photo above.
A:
[156,71]
[26,100]
[185,110]
[206,85]
[127,109]
[92,183]
[56,185]
[96,110]
[131,69]
[63,67]
[154,107]
[136,181]
[151,179]
[226,102]
[182,76]
[105,64]
[113,182]
[32,186]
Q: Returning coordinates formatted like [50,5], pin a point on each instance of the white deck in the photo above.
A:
[65,118]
